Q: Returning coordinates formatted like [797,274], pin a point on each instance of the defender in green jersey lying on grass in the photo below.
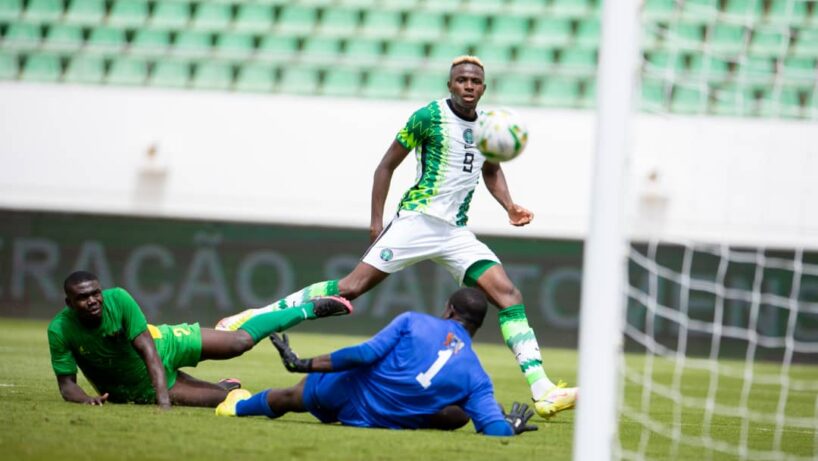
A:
[105,334]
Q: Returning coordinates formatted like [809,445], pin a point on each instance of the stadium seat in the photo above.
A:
[787,12]
[277,48]
[798,70]
[234,45]
[63,37]
[756,70]
[256,77]
[550,31]
[427,85]
[512,89]
[806,43]
[209,16]
[46,11]
[170,74]
[770,41]
[296,19]
[659,10]
[559,92]
[486,6]
[494,56]
[535,58]
[443,52]
[588,33]
[403,53]
[22,36]
[362,51]
[384,84]
[8,66]
[572,8]
[170,15]
[87,12]
[213,76]
[444,6]
[685,36]
[127,71]
[41,67]
[85,69]
[339,22]
[744,10]
[147,42]
[658,62]
[654,94]
[192,43]
[587,98]
[299,80]
[10,10]
[533,8]
[728,39]
[578,62]
[320,49]
[700,11]
[342,82]
[509,29]
[709,68]
[423,25]
[381,23]
[253,17]
[106,40]
[689,100]
[128,13]
[466,28]
[787,104]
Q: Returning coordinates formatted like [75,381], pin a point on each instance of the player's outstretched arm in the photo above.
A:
[380,185]
[72,392]
[146,348]
[496,183]
[340,360]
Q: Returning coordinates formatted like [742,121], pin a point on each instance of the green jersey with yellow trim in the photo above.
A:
[449,163]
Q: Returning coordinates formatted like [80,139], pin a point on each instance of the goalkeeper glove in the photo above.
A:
[292,363]
[518,418]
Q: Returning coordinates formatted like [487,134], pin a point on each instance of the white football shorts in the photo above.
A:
[412,237]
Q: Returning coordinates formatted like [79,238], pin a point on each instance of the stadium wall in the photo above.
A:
[309,161]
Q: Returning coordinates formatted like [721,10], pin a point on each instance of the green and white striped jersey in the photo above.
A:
[449,164]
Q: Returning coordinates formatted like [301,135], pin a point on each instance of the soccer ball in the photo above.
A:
[501,135]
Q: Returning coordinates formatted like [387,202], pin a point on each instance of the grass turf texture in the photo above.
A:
[37,424]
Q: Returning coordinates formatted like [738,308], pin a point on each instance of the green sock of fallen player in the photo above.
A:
[263,325]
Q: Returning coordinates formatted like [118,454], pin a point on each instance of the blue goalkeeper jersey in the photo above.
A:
[419,365]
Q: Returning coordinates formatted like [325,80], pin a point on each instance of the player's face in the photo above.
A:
[86,300]
[466,85]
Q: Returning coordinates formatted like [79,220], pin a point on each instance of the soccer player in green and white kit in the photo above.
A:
[105,334]
[430,224]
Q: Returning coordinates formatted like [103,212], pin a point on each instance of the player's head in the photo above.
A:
[466,82]
[83,294]
[469,306]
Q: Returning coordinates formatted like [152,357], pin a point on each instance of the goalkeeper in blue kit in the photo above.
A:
[419,372]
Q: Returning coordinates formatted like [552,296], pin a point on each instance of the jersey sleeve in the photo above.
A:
[133,320]
[388,337]
[62,360]
[482,407]
[416,129]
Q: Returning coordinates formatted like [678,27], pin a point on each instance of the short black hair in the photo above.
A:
[77,277]
[470,305]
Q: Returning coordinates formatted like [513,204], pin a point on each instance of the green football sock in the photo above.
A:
[262,325]
[325,288]
[519,337]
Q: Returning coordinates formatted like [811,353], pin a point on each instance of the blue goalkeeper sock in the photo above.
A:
[256,406]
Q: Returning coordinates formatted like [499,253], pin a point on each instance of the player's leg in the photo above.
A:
[448,419]
[192,392]
[270,402]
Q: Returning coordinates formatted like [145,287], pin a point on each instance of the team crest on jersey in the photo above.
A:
[386,254]
[453,342]
[468,136]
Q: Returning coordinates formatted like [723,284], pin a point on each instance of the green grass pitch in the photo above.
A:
[37,424]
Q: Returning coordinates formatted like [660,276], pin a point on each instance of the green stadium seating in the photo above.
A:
[384,83]
[756,70]
[170,15]
[296,19]
[559,92]
[22,36]
[339,22]
[209,16]
[253,17]
[806,43]
[512,89]
[688,100]
[685,36]
[342,82]
[658,62]
[403,53]
[42,67]
[572,8]
[509,29]
[88,12]
[732,100]
[798,70]
[8,66]
[445,6]
[424,25]
[170,74]
[256,77]
[443,52]
[10,9]
[787,104]
[362,51]
[550,31]
[277,48]
[320,49]
[535,58]
[192,43]
[787,12]
[128,13]
[299,80]
[381,23]
[147,42]
[578,61]
[486,6]
[85,69]
[127,71]
[772,42]
[587,97]
[658,10]
[106,39]
[494,57]
[700,10]
[654,94]
[213,76]
[728,39]
[531,8]
[744,10]
[588,33]
[427,85]
[234,45]
[709,68]
[466,28]
[43,11]
[63,37]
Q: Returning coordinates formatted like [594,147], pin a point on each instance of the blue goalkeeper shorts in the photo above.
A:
[329,397]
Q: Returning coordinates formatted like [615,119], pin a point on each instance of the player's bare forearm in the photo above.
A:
[322,364]
[72,392]
[381,182]
[146,348]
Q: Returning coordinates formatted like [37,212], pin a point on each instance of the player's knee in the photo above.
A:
[242,342]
